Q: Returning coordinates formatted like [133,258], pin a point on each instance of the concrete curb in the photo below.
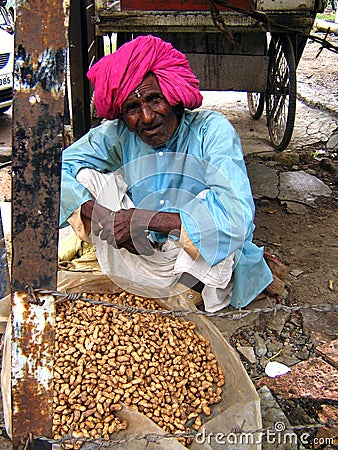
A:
[325,25]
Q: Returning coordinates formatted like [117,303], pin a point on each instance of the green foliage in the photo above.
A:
[326,16]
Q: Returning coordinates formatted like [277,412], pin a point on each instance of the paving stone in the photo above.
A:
[287,356]
[317,338]
[332,143]
[314,378]
[329,414]
[260,347]
[295,208]
[229,327]
[287,360]
[301,187]
[329,165]
[296,272]
[324,326]
[302,354]
[310,96]
[329,351]
[248,353]
[288,159]
[319,126]
[274,348]
[271,416]
[264,181]
[299,416]
[273,322]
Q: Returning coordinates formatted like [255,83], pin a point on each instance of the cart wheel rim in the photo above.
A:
[256,104]
[281,92]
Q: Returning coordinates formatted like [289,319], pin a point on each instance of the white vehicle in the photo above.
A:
[11,8]
[6,60]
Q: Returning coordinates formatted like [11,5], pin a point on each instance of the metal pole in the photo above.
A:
[4,275]
[78,57]
[40,47]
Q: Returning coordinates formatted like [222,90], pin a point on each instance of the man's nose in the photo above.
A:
[147,113]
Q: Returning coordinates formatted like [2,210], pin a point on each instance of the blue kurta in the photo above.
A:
[203,155]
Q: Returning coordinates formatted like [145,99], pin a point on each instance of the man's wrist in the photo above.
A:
[164,222]
[92,211]
[87,209]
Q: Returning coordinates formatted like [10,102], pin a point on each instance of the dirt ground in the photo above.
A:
[309,242]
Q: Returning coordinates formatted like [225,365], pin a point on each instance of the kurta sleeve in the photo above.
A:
[99,149]
[220,219]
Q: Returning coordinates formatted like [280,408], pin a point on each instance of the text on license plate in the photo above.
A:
[6,80]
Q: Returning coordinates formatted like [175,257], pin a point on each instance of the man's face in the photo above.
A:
[147,113]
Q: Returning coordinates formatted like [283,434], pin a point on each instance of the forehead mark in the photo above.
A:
[137,93]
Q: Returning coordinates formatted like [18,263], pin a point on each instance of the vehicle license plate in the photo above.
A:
[6,80]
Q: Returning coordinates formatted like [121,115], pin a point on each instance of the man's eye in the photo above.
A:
[155,98]
[131,108]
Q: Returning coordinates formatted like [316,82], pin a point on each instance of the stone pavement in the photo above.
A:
[312,126]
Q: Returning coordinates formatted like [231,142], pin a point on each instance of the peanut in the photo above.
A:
[155,364]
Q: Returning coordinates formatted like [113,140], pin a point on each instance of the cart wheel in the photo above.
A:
[281,91]
[256,104]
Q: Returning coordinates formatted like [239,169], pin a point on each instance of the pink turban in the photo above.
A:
[115,76]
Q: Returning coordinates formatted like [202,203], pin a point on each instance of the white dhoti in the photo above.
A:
[156,275]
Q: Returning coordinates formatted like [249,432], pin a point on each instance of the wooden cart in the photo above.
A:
[236,45]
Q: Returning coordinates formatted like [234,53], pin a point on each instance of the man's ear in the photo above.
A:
[178,109]
[120,117]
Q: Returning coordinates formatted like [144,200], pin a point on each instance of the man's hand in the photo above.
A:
[78,225]
[129,228]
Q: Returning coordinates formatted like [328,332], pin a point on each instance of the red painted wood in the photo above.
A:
[178,5]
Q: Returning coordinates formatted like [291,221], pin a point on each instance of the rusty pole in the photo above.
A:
[39,75]
[4,275]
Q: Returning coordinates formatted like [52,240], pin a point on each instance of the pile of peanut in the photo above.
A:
[155,364]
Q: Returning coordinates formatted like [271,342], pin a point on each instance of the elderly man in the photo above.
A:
[162,191]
